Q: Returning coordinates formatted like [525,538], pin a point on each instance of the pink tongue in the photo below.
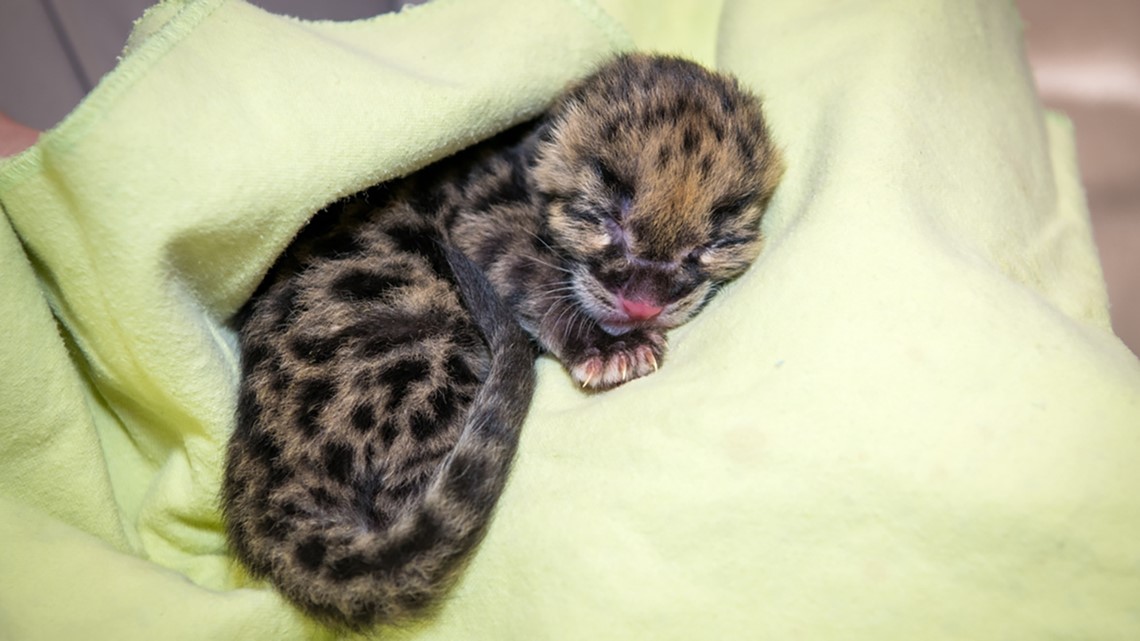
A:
[639,311]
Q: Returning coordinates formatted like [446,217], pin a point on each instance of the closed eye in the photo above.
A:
[621,189]
[730,208]
[585,212]
[704,251]
[732,241]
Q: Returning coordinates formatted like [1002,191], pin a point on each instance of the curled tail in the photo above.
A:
[336,556]
[457,506]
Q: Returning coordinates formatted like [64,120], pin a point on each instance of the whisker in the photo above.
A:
[558,289]
[544,243]
[581,322]
[566,309]
[564,337]
[550,265]
[574,320]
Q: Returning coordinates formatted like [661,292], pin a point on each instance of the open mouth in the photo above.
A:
[617,315]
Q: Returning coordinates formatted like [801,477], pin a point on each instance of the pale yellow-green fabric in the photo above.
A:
[910,420]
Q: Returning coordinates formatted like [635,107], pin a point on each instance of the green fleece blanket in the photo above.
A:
[910,419]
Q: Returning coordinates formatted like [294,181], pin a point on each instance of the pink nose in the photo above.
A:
[639,310]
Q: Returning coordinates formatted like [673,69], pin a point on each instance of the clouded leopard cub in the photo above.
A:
[385,378]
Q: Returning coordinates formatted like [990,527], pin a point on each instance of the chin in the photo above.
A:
[619,327]
[616,325]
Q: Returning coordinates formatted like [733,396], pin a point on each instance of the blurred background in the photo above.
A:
[1085,58]
[1086,61]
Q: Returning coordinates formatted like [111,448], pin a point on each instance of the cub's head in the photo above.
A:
[656,173]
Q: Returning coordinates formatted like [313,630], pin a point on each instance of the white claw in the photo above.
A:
[587,376]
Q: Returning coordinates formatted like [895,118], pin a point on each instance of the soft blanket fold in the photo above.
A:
[909,420]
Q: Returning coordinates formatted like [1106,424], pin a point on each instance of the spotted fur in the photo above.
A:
[386,372]
[636,197]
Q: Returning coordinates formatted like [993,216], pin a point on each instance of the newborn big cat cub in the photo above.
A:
[387,358]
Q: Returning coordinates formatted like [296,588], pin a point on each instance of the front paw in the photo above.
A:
[609,361]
